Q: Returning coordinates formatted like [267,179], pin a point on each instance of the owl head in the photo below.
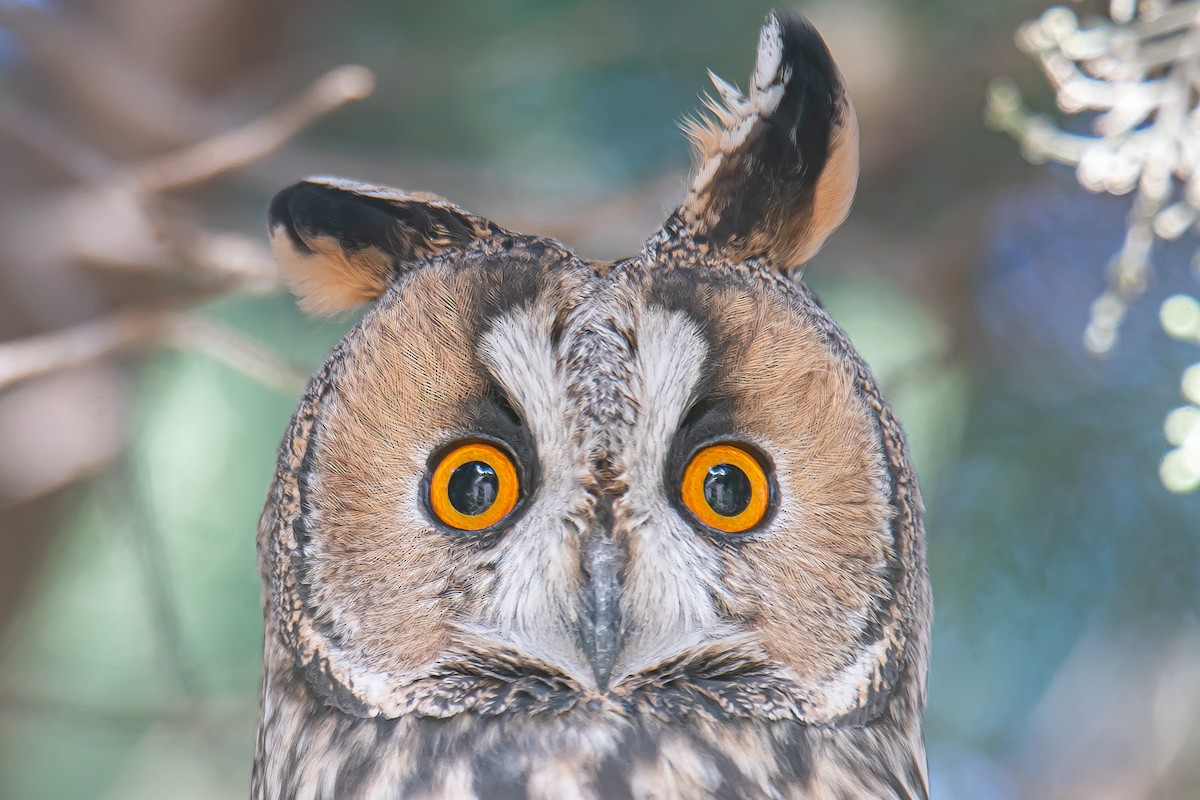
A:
[526,482]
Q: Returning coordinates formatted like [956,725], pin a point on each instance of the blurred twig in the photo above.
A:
[80,345]
[244,355]
[56,145]
[241,146]
[139,328]
[162,603]
[217,262]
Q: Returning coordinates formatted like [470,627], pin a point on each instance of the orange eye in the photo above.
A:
[473,487]
[726,488]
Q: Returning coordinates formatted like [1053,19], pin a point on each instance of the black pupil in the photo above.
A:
[727,490]
[472,488]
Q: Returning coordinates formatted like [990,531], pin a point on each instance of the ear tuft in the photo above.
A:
[340,242]
[776,169]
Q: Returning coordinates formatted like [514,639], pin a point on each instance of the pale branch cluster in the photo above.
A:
[1138,72]
[155,239]
[83,344]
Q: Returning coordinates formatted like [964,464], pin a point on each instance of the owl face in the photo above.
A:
[526,483]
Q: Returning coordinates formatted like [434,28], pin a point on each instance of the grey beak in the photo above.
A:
[600,623]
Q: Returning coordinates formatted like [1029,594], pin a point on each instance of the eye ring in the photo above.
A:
[474,486]
[708,478]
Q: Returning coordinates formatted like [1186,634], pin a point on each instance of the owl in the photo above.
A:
[550,528]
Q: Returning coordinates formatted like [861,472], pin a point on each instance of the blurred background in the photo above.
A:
[152,362]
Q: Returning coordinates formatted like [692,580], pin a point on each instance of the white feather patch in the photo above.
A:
[538,577]
[714,139]
[666,604]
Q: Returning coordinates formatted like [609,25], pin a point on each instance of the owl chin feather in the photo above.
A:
[711,729]
[548,528]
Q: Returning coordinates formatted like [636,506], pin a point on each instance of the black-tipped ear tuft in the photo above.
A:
[340,242]
[776,168]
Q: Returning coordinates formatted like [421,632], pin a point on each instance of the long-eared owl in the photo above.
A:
[545,527]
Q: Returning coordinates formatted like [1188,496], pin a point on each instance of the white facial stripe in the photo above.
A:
[666,601]
[538,582]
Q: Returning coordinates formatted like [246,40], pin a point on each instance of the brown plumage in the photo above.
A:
[606,638]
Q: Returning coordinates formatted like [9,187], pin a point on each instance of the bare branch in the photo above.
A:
[134,329]
[80,345]
[235,351]
[236,148]
[163,603]
[56,145]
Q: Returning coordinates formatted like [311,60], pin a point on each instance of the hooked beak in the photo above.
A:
[600,622]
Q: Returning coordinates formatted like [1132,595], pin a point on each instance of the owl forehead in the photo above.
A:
[572,346]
